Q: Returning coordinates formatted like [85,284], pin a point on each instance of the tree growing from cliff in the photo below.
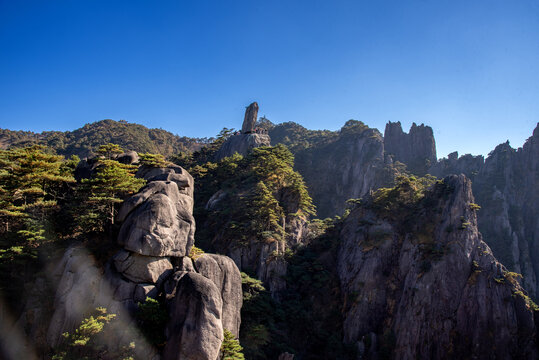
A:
[231,348]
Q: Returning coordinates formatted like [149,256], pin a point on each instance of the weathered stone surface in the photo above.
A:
[249,121]
[348,167]
[158,221]
[505,186]
[428,286]
[242,144]
[174,173]
[80,290]
[130,157]
[142,291]
[185,264]
[142,269]
[417,149]
[195,331]
[226,276]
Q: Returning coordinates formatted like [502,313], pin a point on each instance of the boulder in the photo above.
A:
[194,331]
[142,269]
[158,221]
[242,144]
[128,158]
[226,276]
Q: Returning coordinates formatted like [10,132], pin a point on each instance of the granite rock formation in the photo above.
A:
[422,283]
[248,139]
[505,186]
[417,149]
[249,121]
[156,236]
[348,167]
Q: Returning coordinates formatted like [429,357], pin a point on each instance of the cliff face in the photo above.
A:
[348,167]
[417,149]
[505,186]
[419,282]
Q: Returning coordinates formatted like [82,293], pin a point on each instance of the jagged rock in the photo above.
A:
[226,276]
[249,121]
[174,173]
[505,186]
[263,259]
[467,164]
[185,264]
[242,144]
[142,291]
[142,269]
[348,167]
[158,221]
[194,331]
[427,285]
[417,149]
[128,158]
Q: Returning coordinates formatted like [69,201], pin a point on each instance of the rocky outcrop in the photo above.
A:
[156,235]
[249,121]
[158,221]
[505,186]
[195,329]
[422,284]
[417,149]
[467,164]
[347,168]
[243,142]
[226,276]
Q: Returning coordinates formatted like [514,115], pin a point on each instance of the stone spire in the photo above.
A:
[251,115]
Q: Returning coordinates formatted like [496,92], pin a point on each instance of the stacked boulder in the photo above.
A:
[203,296]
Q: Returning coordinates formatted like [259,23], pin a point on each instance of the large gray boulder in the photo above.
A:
[227,277]
[142,269]
[195,330]
[158,221]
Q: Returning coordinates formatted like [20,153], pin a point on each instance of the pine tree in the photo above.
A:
[153,160]
[109,150]
[231,348]
[110,185]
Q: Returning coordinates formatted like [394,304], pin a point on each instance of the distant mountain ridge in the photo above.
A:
[85,140]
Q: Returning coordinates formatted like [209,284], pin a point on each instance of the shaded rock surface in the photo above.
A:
[195,329]
[417,148]
[142,269]
[347,167]
[505,186]
[226,276]
[424,284]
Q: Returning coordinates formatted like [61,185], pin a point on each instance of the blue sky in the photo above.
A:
[469,69]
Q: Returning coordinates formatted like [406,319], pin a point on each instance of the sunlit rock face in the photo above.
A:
[156,235]
[422,284]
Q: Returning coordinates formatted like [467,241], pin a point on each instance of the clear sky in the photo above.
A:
[469,69]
